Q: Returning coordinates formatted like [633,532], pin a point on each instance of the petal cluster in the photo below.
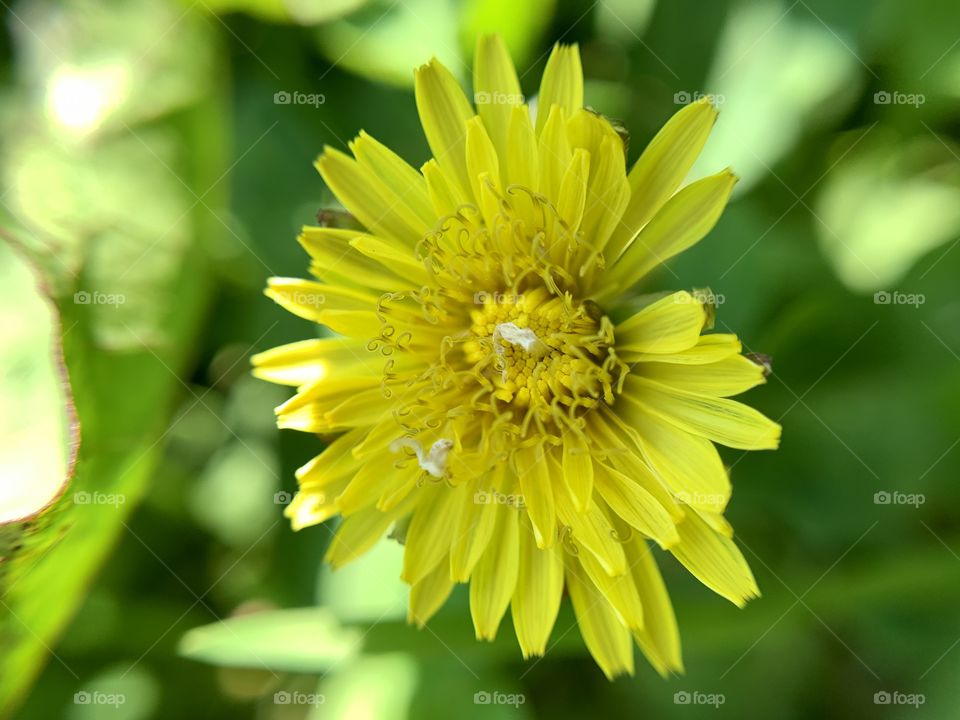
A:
[492,391]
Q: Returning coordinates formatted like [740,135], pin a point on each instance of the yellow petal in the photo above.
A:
[370,200]
[688,464]
[715,560]
[474,530]
[592,532]
[536,600]
[683,221]
[709,348]
[388,255]
[627,461]
[308,361]
[336,262]
[349,312]
[723,421]
[660,639]
[364,408]
[429,595]
[331,407]
[730,376]
[336,462]
[572,196]
[308,299]
[408,190]
[495,576]
[716,522]
[445,192]
[661,168]
[669,325]
[586,129]
[444,111]
[373,479]
[618,590]
[606,637]
[522,160]
[358,533]
[431,530]
[496,88]
[534,475]
[379,437]
[314,505]
[607,193]
[553,151]
[562,83]
[481,155]
[577,470]
[328,394]
[636,506]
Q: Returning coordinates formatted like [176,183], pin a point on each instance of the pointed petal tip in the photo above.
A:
[416,620]
[543,543]
[613,673]
[485,634]
[430,65]
[536,651]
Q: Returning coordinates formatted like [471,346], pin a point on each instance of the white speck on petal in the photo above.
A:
[435,461]
[511,333]
[515,335]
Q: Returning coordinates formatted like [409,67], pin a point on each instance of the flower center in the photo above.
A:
[524,351]
[545,355]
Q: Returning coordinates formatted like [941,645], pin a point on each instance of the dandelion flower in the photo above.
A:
[491,388]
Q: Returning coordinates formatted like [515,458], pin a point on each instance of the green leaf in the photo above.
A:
[368,589]
[106,209]
[384,41]
[308,640]
[887,204]
[773,74]
[304,12]
[380,686]
[38,429]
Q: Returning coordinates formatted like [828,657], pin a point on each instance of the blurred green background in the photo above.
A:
[151,179]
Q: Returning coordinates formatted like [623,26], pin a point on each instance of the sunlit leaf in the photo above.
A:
[384,41]
[776,70]
[301,640]
[39,435]
[884,206]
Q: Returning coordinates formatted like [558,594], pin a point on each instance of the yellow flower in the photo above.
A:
[500,400]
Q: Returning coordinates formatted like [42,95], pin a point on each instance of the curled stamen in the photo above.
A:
[622,538]
[565,535]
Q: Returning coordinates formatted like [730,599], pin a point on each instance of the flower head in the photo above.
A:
[495,393]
